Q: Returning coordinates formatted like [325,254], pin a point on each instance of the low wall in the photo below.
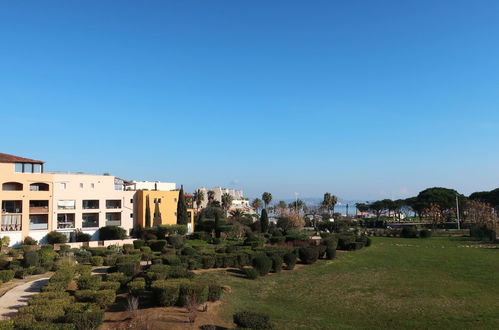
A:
[118,242]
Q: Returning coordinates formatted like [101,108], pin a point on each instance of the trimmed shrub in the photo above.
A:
[321,250]
[214,291]
[82,237]
[31,259]
[176,241]
[308,255]
[425,233]
[344,241]
[251,273]
[166,293]
[47,257]
[110,260]
[136,286]
[290,260]
[103,298]
[117,277]
[208,261]
[330,253]
[355,246]
[6,275]
[157,245]
[97,260]
[138,243]
[92,282]
[409,232]
[252,320]
[276,263]
[42,313]
[192,291]
[29,241]
[108,285]
[21,273]
[368,242]
[84,316]
[263,265]
[172,260]
[55,237]
[111,232]
[188,251]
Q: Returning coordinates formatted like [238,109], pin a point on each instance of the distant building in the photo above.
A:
[148,185]
[238,199]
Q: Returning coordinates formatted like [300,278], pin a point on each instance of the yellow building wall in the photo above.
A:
[166,203]
[8,174]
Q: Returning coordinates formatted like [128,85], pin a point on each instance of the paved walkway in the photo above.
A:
[18,297]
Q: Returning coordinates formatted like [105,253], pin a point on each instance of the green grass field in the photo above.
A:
[395,283]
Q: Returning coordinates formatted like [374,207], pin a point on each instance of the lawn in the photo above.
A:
[434,283]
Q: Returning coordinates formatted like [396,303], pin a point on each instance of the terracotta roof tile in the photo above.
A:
[6,158]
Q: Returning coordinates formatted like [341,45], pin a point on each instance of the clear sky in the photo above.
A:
[364,99]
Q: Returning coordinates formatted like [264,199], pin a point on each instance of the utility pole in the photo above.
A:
[457,209]
[347,210]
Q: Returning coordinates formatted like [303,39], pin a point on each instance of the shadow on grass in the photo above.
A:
[237,273]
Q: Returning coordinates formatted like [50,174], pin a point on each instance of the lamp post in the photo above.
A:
[457,210]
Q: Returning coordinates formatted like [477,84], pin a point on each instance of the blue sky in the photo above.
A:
[364,99]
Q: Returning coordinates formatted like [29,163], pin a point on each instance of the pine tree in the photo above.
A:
[264,221]
[182,216]
[217,225]
[148,213]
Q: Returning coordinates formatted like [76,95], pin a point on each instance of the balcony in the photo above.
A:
[65,220]
[38,222]
[39,187]
[90,204]
[38,207]
[11,222]
[66,205]
[113,219]
[90,220]
[12,206]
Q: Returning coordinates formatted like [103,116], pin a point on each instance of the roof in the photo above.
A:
[6,158]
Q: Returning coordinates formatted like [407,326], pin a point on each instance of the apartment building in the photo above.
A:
[150,185]
[238,199]
[26,197]
[88,202]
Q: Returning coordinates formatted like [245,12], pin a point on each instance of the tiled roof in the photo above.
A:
[6,158]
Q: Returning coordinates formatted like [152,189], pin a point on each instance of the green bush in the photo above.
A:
[308,255]
[6,275]
[192,291]
[29,241]
[208,261]
[31,258]
[115,286]
[110,260]
[172,260]
[409,232]
[92,282]
[188,251]
[425,233]
[42,313]
[111,233]
[344,241]
[176,241]
[157,245]
[97,260]
[22,273]
[330,253]
[355,246]
[138,243]
[102,298]
[251,273]
[166,292]
[252,320]
[47,257]
[82,237]
[55,237]
[276,263]
[321,250]
[117,277]
[214,291]
[263,265]
[84,316]
[136,286]
[290,260]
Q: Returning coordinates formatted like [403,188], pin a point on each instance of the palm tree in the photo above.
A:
[236,214]
[211,196]
[267,198]
[199,197]
[227,201]
[329,202]
[282,206]
[256,204]
[296,205]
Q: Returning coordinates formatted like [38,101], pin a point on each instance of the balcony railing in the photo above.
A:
[113,223]
[39,209]
[65,225]
[90,224]
[37,226]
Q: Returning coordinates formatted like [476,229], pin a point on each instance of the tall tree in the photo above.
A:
[182,215]
[264,221]
[226,202]
[148,213]
[217,225]
[267,198]
[199,198]
[256,204]
[211,196]
[296,205]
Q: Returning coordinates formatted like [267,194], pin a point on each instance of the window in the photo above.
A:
[91,204]
[113,219]
[28,168]
[81,185]
[131,201]
[113,204]
[39,187]
[62,185]
[11,186]
[131,215]
[37,168]
[12,206]
[66,205]
[11,222]
[38,221]
[90,220]
[19,167]
[38,207]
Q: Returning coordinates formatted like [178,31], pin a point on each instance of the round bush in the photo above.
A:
[111,233]
[138,243]
[157,245]
[276,263]
[166,293]
[330,253]
[308,255]
[55,237]
[96,261]
[409,232]
[251,273]
[290,260]
[252,320]
[263,265]
[176,241]
[89,282]
[208,261]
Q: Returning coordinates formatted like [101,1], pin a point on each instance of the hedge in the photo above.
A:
[97,260]
[251,273]
[276,263]
[111,233]
[192,291]
[108,285]
[157,245]
[92,282]
[262,264]
[308,255]
[102,298]
[166,293]
[6,275]
[252,320]
[290,260]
